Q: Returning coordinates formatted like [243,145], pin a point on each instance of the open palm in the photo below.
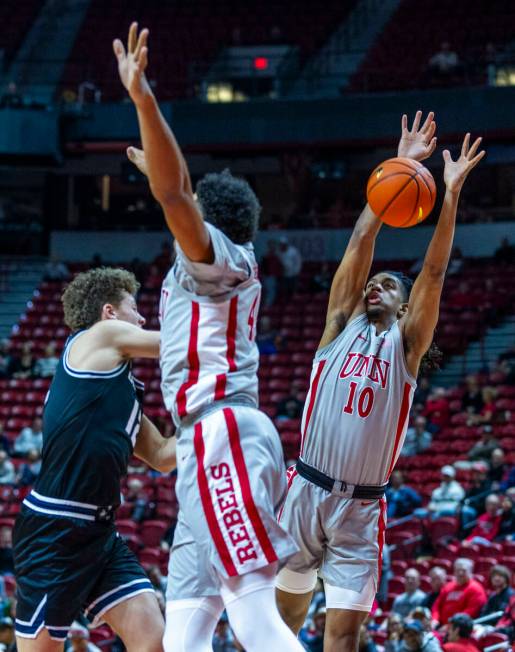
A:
[133,62]
[455,172]
[418,142]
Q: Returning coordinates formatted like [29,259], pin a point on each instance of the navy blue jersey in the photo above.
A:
[90,423]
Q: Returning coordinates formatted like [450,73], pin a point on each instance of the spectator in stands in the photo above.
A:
[385,576]
[444,64]
[488,524]
[138,499]
[23,366]
[506,624]
[366,642]
[498,468]
[418,439]
[422,392]
[271,270]
[416,639]
[394,625]
[401,499]
[423,614]
[29,471]
[313,637]
[472,400]
[6,551]
[412,597]
[505,254]
[482,450]
[7,635]
[489,413]
[268,339]
[46,367]
[459,634]
[437,408]
[291,261]
[509,479]
[56,270]
[5,358]
[7,471]
[463,594]
[323,278]
[477,492]
[223,639]
[438,578]
[79,639]
[507,529]
[5,442]
[446,499]
[31,437]
[500,581]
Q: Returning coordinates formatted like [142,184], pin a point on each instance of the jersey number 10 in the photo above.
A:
[365,400]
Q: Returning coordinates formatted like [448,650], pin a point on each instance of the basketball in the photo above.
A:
[401,192]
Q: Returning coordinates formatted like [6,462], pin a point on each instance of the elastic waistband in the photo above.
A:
[205,411]
[69,508]
[339,487]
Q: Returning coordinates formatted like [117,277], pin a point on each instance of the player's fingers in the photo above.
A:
[143,60]
[477,158]
[428,122]
[430,132]
[142,42]
[133,37]
[432,145]
[131,154]
[446,156]
[118,48]
[404,122]
[465,146]
[472,151]
[416,122]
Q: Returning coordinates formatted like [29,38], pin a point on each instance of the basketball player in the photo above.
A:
[68,556]
[228,544]
[356,411]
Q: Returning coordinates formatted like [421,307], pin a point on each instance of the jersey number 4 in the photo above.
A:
[364,402]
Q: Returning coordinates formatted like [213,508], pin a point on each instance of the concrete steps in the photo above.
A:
[19,278]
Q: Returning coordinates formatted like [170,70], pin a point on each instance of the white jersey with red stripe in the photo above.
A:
[208,319]
[356,412]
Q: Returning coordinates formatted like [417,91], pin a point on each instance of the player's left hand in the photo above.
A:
[137,156]
[132,64]
[455,172]
[418,142]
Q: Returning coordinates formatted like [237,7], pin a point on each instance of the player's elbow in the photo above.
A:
[170,194]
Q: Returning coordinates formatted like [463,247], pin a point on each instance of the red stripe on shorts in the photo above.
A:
[193,361]
[207,504]
[403,415]
[291,476]
[312,398]
[380,537]
[221,382]
[243,477]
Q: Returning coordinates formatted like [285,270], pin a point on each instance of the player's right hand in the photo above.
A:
[133,62]
[137,156]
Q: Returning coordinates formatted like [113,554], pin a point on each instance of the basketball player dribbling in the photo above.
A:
[227,545]
[356,412]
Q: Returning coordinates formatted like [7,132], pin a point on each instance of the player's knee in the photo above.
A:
[340,641]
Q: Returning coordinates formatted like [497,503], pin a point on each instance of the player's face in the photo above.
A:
[384,296]
[127,310]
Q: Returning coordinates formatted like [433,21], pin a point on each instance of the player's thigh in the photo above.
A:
[42,643]
[293,607]
[342,628]
[138,622]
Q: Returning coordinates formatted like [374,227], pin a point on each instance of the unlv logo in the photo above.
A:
[358,365]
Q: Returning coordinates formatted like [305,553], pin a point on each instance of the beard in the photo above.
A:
[374,312]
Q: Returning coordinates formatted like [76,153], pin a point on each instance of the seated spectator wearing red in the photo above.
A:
[463,594]
[488,524]
[438,579]
[459,634]
[437,408]
[500,580]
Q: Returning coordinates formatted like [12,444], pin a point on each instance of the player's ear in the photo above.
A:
[109,311]
[402,310]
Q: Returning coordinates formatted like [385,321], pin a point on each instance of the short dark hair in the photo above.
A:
[89,291]
[405,281]
[503,571]
[230,204]
[463,623]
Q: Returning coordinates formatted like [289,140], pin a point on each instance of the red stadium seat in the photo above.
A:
[152,532]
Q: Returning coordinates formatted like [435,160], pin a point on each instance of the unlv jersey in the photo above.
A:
[208,317]
[356,412]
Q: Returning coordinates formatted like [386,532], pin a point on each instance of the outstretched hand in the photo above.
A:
[418,142]
[137,156]
[455,172]
[133,62]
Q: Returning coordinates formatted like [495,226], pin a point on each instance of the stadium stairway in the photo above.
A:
[18,278]
[478,354]
[333,66]
[53,32]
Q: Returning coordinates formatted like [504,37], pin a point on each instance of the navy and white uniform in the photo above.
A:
[231,479]
[353,427]
[68,556]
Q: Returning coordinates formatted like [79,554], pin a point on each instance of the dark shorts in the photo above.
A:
[67,565]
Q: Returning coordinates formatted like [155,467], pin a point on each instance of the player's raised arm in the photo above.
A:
[420,321]
[165,166]
[346,296]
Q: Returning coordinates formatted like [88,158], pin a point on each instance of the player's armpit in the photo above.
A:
[153,449]
[187,226]
[130,341]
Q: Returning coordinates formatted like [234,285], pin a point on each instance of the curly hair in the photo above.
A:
[229,203]
[85,296]
[433,356]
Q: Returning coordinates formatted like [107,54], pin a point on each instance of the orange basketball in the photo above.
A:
[401,192]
